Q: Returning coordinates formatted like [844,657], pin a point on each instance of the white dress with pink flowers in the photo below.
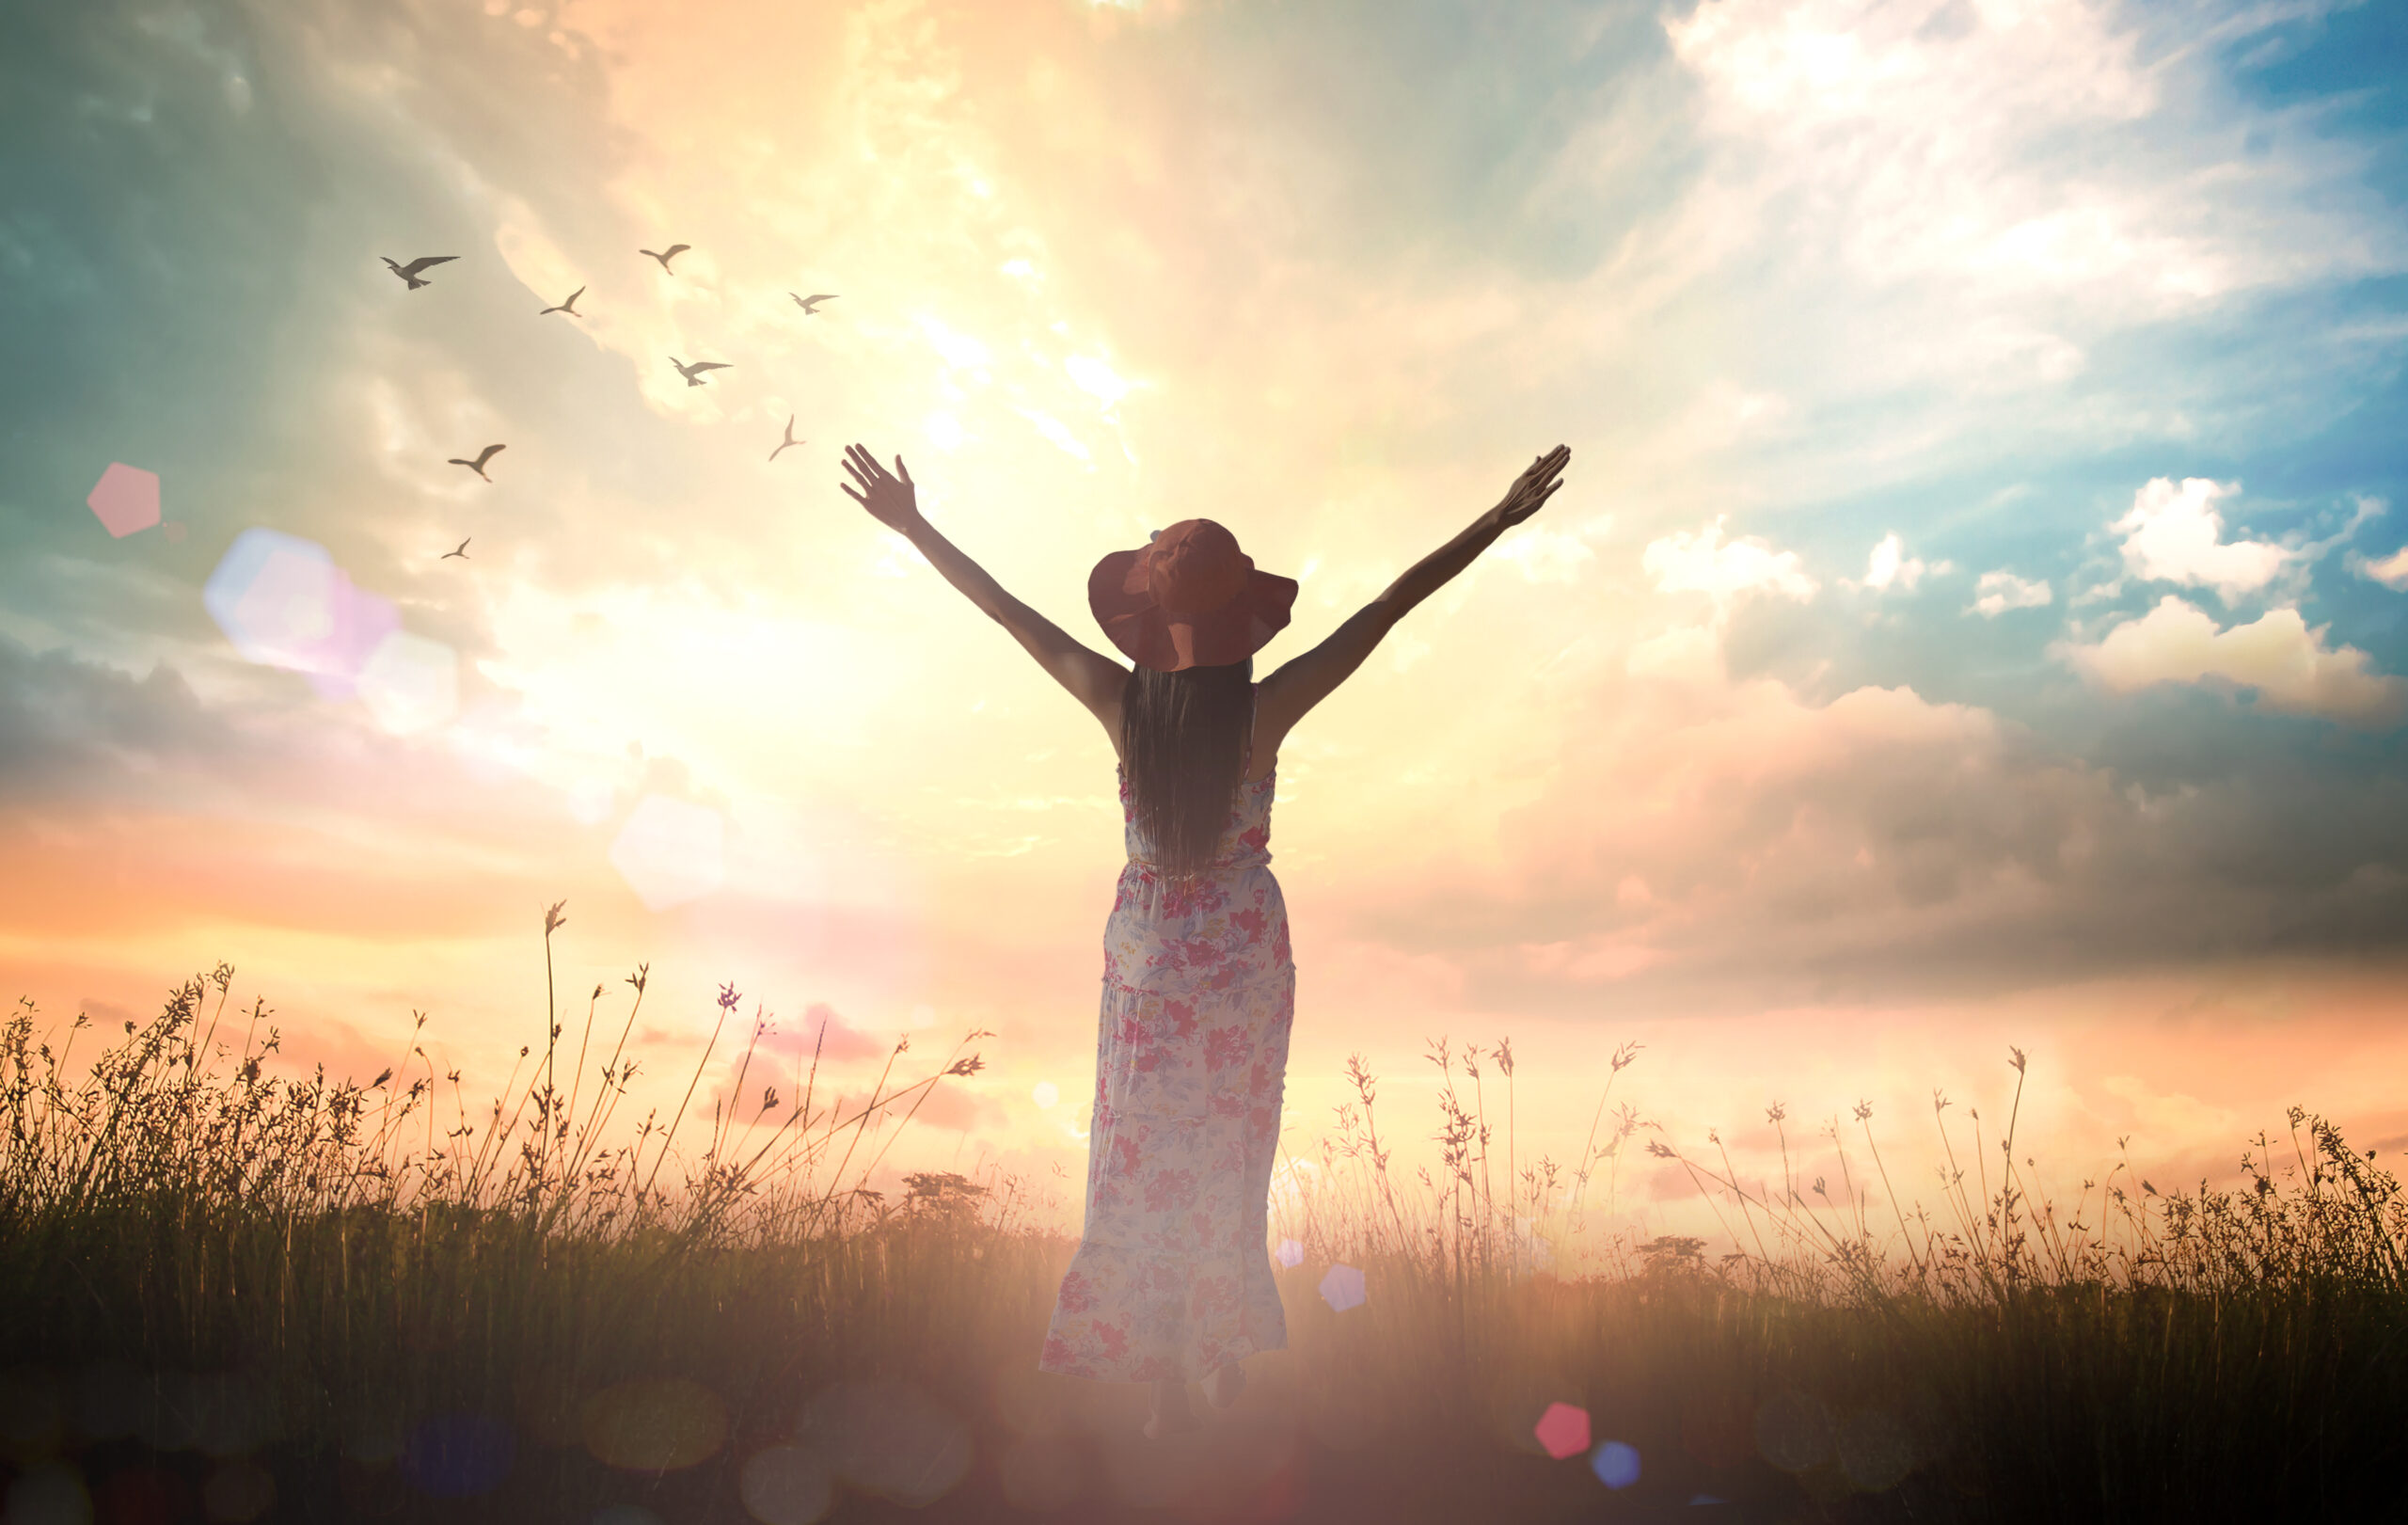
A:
[1172,1279]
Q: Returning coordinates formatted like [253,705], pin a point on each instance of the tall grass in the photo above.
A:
[368,1266]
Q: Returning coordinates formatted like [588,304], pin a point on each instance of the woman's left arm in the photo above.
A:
[1093,679]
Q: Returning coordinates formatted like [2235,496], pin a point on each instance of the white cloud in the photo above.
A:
[2277,654]
[960,350]
[2391,571]
[2175,534]
[1056,431]
[1093,376]
[1545,554]
[1889,563]
[1998,592]
[1701,562]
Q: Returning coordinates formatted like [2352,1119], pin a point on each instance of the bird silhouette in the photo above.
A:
[693,373]
[790,439]
[809,303]
[409,272]
[462,552]
[569,307]
[668,254]
[478,466]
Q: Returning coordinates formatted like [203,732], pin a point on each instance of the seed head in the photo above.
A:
[727,996]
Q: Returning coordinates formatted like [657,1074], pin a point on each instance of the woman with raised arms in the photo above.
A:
[1172,1278]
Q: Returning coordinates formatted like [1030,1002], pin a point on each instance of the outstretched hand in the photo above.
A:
[891,501]
[1530,489]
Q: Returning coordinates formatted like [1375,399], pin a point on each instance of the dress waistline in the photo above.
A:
[1153,870]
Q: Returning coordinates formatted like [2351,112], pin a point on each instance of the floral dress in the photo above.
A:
[1172,1279]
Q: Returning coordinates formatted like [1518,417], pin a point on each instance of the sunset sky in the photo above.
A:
[1972,618]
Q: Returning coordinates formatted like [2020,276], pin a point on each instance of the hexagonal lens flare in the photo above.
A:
[1563,1430]
[1616,1464]
[1290,1254]
[359,623]
[126,498]
[1341,1287]
[272,595]
[671,852]
[410,684]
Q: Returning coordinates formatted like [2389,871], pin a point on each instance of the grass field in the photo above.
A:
[227,1296]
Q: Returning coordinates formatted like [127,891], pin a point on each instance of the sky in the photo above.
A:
[1972,617]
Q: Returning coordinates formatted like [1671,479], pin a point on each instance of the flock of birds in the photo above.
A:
[412,272]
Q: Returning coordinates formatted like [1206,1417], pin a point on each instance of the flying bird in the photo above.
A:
[409,272]
[790,439]
[478,466]
[668,254]
[693,373]
[809,303]
[462,552]
[569,307]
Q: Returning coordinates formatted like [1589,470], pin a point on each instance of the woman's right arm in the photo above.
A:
[1305,681]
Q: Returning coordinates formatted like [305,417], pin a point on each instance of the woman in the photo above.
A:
[1172,1278]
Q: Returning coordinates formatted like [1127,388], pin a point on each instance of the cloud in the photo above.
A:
[2278,655]
[1998,592]
[2391,571]
[1890,565]
[2175,534]
[1732,846]
[71,725]
[1545,554]
[1701,562]
[829,1034]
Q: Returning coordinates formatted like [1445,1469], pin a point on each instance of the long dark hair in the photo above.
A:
[1184,735]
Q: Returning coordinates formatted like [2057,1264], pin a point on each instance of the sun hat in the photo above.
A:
[1187,598]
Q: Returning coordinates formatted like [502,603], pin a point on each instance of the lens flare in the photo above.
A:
[1563,1430]
[671,852]
[1341,1287]
[785,1486]
[1616,1464]
[126,498]
[410,683]
[457,1455]
[1794,1431]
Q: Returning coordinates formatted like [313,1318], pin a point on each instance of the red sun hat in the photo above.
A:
[1189,598]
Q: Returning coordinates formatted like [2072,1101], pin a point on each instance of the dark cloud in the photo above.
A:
[70,727]
[1885,848]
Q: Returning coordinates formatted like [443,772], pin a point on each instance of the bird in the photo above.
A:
[462,552]
[693,373]
[569,307]
[478,466]
[668,254]
[808,303]
[790,439]
[409,272]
